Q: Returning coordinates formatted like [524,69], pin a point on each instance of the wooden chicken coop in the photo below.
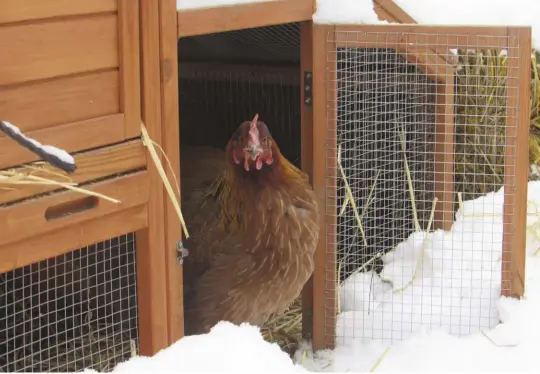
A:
[89,283]
[85,282]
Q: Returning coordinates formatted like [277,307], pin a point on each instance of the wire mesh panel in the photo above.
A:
[216,98]
[225,78]
[71,312]
[420,181]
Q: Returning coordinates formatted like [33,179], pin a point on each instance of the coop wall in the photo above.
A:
[69,74]
[423,149]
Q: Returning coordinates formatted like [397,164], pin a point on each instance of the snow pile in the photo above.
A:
[345,11]
[448,279]
[476,13]
[438,12]
[226,348]
[195,4]
[455,292]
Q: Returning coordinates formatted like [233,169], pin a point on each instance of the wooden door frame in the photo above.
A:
[160,115]
[170,128]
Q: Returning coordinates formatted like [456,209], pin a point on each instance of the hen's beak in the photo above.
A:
[253,151]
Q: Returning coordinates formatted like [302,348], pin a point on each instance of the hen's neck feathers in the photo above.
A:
[237,191]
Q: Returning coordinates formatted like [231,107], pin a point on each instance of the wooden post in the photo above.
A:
[444,155]
[170,143]
[517,162]
[151,246]
[306,66]
[324,276]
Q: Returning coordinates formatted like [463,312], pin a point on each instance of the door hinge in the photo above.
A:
[308,88]
[181,252]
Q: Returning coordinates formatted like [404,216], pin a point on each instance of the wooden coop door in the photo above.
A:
[416,128]
[69,74]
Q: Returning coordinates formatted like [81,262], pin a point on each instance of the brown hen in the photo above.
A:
[253,221]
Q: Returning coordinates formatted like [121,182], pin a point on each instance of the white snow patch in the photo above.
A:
[345,11]
[196,4]
[54,151]
[458,286]
[226,348]
[439,12]
[476,13]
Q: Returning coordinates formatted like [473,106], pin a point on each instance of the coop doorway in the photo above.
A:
[225,79]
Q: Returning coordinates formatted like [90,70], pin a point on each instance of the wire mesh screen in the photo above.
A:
[71,312]
[418,152]
[269,45]
[227,77]
[216,98]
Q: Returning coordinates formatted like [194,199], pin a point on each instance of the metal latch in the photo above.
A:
[181,252]
[308,88]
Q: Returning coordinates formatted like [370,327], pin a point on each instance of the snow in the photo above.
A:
[195,4]
[458,278]
[345,11]
[457,287]
[476,13]
[226,348]
[51,150]
[438,12]
[473,243]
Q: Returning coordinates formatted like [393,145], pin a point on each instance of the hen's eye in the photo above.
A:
[266,142]
[240,139]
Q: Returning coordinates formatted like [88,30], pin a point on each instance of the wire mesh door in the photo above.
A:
[422,140]
[71,312]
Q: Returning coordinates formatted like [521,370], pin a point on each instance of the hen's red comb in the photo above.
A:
[253,130]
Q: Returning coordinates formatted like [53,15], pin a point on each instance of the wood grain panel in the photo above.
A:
[72,237]
[130,93]
[306,65]
[170,143]
[516,163]
[60,101]
[427,35]
[24,10]
[73,137]
[324,307]
[151,247]
[91,166]
[131,190]
[48,49]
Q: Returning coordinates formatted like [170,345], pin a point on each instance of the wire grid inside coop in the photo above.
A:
[225,78]
[415,161]
[71,312]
